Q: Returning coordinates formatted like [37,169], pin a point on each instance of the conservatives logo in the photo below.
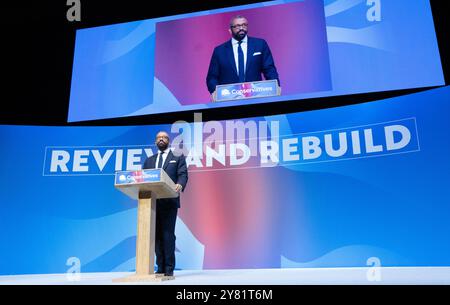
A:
[225,92]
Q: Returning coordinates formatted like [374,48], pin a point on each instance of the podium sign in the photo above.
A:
[146,175]
[156,180]
[229,92]
[145,186]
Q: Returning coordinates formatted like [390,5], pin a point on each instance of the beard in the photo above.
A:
[240,35]
[162,145]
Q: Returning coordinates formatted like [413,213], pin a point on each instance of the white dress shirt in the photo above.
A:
[164,156]
[235,44]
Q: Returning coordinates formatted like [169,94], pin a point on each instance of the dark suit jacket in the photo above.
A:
[176,169]
[222,68]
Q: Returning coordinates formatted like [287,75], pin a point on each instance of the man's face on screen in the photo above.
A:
[162,141]
[238,28]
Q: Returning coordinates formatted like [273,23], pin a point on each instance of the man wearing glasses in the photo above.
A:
[166,209]
[241,59]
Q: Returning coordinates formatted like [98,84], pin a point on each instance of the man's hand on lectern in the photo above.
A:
[178,187]
[213,96]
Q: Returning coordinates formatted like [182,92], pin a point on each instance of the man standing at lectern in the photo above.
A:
[241,59]
[166,209]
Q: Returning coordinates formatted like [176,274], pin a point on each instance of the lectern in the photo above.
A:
[145,186]
[247,90]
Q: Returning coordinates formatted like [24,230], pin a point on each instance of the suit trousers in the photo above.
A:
[165,237]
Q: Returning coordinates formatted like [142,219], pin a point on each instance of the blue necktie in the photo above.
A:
[160,160]
[241,63]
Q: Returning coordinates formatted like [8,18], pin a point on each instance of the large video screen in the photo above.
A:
[313,48]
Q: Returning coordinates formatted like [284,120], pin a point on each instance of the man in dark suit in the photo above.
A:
[166,209]
[241,59]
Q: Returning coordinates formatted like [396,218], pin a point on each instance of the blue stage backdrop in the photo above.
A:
[320,48]
[326,188]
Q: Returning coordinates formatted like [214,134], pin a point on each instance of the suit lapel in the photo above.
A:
[230,56]
[153,161]
[169,157]
[249,54]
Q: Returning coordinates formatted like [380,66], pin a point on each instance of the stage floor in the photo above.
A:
[305,276]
